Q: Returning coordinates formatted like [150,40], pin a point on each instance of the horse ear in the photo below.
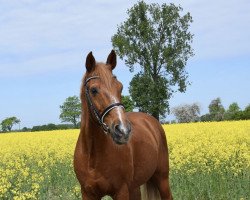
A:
[90,62]
[111,60]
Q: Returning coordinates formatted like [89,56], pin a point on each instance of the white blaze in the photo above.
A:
[118,111]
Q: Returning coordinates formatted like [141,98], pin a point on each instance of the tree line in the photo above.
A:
[70,112]
[191,112]
[7,125]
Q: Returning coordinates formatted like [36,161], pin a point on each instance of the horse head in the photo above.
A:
[102,93]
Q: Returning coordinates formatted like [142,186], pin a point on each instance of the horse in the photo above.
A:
[120,154]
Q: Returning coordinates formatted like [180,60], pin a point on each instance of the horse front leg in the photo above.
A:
[87,196]
[122,194]
[135,194]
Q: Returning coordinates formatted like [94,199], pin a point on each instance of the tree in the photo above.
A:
[8,123]
[206,118]
[154,99]
[128,103]
[157,38]
[233,112]
[246,112]
[187,113]
[233,108]
[71,110]
[216,110]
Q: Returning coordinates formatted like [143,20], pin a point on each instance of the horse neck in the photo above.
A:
[92,133]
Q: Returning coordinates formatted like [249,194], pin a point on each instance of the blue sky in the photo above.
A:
[43,46]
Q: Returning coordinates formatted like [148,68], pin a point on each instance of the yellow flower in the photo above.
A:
[28,158]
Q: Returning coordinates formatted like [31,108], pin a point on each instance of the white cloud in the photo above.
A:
[221,28]
[39,36]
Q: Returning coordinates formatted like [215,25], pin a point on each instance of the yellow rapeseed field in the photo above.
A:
[38,165]
[224,145]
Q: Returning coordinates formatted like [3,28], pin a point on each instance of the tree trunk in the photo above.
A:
[155,76]
[74,122]
[156,115]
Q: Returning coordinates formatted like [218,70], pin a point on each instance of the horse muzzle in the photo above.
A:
[120,132]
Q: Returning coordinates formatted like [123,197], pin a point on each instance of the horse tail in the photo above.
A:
[149,191]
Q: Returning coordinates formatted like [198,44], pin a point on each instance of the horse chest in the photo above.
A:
[95,183]
[105,180]
[106,173]
[116,166]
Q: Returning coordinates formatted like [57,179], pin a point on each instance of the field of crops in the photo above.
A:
[207,160]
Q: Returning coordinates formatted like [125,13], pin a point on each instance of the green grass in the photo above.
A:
[213,185]
[61,184]
[199,185]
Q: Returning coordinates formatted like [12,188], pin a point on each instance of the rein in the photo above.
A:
[99,116]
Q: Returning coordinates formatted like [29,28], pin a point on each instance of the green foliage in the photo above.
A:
[232,112]
[233,108]
[71,110]
[149,97]
[51,126]
[128,103]
[157,38]
[218,113]
[8,123]
[206,118]
[25,129]
[216,110]
[246,112]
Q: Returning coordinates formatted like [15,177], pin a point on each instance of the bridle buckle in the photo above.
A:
[105,128]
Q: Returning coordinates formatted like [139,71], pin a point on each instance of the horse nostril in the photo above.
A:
[118,130]
[122,130]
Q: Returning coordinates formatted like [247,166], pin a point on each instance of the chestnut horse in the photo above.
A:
[117,152]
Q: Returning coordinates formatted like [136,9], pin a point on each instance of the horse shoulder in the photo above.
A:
[146,140]
[146,126]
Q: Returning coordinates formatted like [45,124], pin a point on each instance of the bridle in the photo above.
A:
[99,116]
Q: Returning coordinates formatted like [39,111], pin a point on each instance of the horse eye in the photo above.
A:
[94,91]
